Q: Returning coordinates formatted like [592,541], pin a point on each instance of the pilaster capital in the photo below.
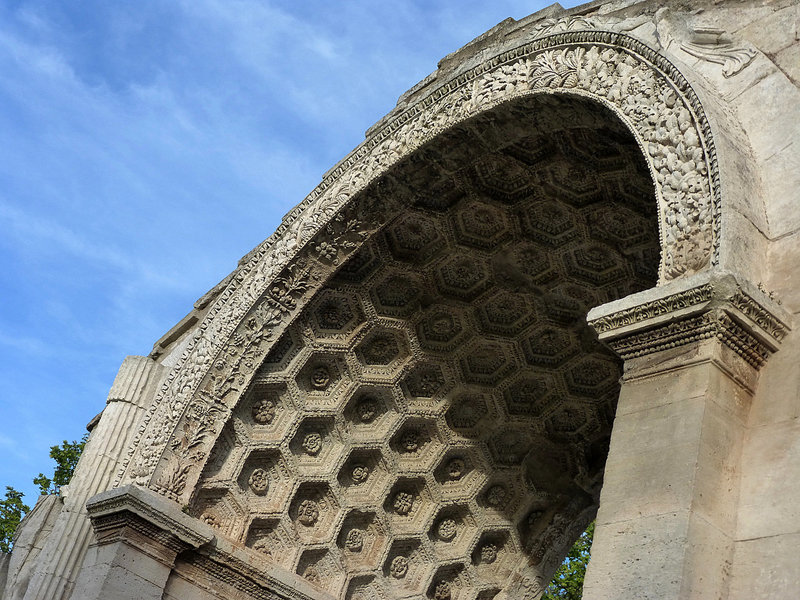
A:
[128,511]
[713,304]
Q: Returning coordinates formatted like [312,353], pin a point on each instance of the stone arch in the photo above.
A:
[279,279]
[444,377]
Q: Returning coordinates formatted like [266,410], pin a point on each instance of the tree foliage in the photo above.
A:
[567,583]
[12,509]
[66,457]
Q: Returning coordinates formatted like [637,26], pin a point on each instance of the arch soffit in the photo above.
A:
[572,56]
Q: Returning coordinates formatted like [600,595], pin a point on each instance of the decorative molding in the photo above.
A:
[653,309]
[257,583]
[722,309]
[151,508]
[715,45]
[759,315]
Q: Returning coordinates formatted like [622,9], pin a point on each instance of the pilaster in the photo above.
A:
[138,535]
[60,559]
[668,509]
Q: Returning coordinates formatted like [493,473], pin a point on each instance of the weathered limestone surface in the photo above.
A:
[398,394]
[54,537]
[673,474]
[138,535]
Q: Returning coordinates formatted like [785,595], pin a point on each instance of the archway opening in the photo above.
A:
[435,422]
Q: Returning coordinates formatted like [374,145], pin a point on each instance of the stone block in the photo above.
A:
[769,114]
[773,32]
[717,473]
[116,582]
[675,456]
[671,556]
[770,482]
[651,463]
[781,180]
[766,568]
[701,379]
[788,61]
[775,400]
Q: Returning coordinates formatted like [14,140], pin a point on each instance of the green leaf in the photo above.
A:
[12,509]
[66,457]
[567,583]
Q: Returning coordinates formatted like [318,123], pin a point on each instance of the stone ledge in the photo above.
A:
[152,508]
[707,305]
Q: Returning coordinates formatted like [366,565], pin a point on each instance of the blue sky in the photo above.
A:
[147,145]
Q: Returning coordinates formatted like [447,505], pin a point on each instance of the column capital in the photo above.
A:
[708,305]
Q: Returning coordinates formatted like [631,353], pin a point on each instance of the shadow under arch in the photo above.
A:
[253,305]
[436,417]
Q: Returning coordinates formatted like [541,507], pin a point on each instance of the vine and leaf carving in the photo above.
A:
[239,358]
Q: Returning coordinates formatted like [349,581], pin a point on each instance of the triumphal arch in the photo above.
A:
[545,289]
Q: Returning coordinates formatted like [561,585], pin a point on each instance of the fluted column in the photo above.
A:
[63,552]
[666,524]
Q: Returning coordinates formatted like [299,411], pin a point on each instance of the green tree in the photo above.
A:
[567,583]
[66,457]
[12,509]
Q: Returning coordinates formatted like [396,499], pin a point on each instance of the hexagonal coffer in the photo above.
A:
[414,238]
[452,529]
[549,346]
[510,446]
[319,567]
[487,363]
[416,444]
[397,294]
[382,347]
[463,277]
[406,565]
[313,512]
[470,413]
[271,538]
[323,378]
[364,475]
[362,539]
[530,394]
[264,479]
[335,314]
[424,380]
[460,473]
[316,444]
[551,223]
[506,313]
[481,225]
[442,328]
[409,504]
[368,410]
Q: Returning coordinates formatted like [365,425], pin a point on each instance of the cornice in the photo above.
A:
[715,304]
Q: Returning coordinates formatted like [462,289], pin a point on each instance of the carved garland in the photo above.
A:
[640,85]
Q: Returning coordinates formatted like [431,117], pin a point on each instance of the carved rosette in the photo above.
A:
[641,86]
